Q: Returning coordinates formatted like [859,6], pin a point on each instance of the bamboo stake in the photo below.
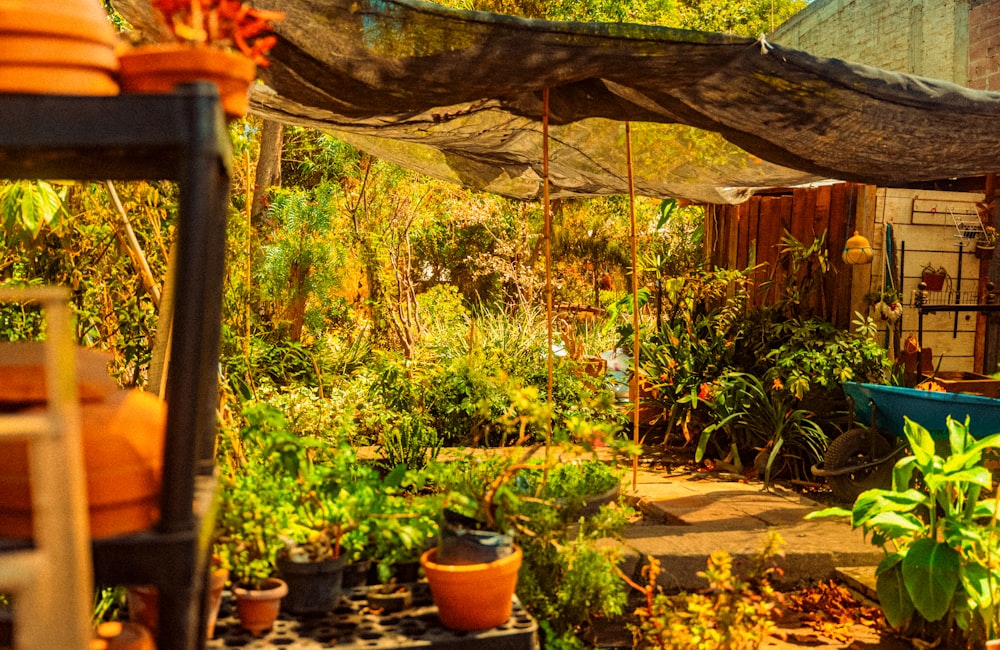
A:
[548,259]
[135,251]
[635,303]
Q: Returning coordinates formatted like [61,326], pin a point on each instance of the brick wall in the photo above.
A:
[984,48]
[923,37]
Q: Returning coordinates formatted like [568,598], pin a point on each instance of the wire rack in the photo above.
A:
[968,224]
[950,297]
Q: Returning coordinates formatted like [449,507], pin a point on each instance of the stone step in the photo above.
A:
[688,516]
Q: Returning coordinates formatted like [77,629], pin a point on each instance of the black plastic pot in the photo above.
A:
[395,600]
[461,542]
[313,587]
[356,574]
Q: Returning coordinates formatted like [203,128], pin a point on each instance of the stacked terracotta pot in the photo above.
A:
[122,433]
[57,47]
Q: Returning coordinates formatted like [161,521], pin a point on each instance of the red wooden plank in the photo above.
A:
[824,198]
[754,230]
[802,211]
[838,280]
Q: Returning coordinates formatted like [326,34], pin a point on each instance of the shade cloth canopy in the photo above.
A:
[457,95]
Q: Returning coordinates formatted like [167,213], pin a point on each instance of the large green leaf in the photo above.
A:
[974,475]
[921,442]
[829,512]
[930,572]
[872,503]
[958,435]
[894,524]
[979,585]
[30,205]
[893,597]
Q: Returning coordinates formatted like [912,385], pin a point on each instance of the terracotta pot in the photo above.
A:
[258,608]
[216,585]
[144,605]
[57,46]
[160,67]
[472,597]
[113,635]
[313,587]
[122,435]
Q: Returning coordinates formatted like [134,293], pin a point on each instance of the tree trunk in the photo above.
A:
[268,172]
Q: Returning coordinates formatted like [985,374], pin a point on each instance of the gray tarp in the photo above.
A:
[457,95]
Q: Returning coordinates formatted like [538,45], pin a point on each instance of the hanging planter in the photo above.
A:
[984,251]
[62,47]
[933,277]
[857,250]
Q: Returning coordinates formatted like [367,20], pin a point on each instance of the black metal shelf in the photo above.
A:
[179,136]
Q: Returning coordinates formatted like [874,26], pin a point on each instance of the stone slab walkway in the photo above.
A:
[688,515]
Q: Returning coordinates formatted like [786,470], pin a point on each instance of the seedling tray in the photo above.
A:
[353,626]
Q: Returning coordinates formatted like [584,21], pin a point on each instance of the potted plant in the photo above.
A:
[933,277]
[473,570]
[986,243]
[144,600]
[939,579]
[221,41]
[390,597]
[886,303]
[247,543]
[318,493]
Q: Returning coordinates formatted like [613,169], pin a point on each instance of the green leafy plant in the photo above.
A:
[247,529]
[765,418]
[940,578]
[734,613]
[697,341]
[811,354]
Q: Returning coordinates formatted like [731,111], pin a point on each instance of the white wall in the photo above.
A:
[924,232]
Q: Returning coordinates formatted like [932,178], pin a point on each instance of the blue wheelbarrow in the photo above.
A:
[862,458]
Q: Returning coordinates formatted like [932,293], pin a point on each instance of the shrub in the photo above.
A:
[733,613]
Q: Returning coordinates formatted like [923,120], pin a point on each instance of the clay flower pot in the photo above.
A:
[158,68]
[57,46]
[144,602]
[123,435]
[113,635]
[258,608]
[472,597]
[216,584]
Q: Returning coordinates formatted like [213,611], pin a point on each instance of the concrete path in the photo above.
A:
[689,515]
